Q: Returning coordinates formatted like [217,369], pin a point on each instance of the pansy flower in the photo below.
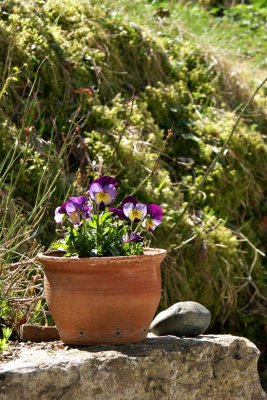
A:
[103,190]
[153,217]
[133,237]
[134,211]
[119,211]
[76,208]
[83,205]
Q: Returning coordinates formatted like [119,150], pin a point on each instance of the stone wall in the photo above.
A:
[208,367]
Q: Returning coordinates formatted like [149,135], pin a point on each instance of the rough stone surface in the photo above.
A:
[169,368]
[186,318]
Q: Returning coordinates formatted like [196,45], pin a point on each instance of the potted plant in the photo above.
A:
[102,286]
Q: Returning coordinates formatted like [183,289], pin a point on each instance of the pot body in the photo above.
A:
[106,300]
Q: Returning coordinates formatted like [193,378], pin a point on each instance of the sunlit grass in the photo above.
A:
[232,38]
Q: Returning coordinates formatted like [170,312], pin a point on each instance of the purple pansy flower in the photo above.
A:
[76,208]
[133,237]
[133,210]
[83,205]
[119,211]
[154,217]
[103,190]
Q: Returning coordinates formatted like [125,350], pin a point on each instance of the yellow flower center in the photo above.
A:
[103,197]
[135,214]
[149,223]
[74,218]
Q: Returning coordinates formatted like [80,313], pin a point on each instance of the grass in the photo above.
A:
[21,292]
[238,35]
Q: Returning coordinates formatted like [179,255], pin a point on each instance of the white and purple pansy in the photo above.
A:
[134,211]
[103,190]
[83,205]
[76,208]
[119,211]
[153,217]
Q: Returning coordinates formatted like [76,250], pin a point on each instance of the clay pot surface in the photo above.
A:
[103,300]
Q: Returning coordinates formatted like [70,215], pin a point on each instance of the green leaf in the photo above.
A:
[114,251]
[6,332]
[104,217]
[59,246]
[93,223]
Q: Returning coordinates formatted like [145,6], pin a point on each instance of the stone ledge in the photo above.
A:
[219,367]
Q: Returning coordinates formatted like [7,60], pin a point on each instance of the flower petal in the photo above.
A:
[62,208]
[70,208]
[75,217]
[104,180]
[103,198]
[118,212]
[134,237]
[78,201]
[86,211]
[128,199]
[150,224]
[155,211]
[107,180]
[142,208]
[94,189]
[127,208]
[111,190]
[58,216]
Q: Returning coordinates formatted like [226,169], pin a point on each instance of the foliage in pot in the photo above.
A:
[102,285]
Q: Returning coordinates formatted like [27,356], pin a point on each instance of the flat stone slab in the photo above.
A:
[219,367]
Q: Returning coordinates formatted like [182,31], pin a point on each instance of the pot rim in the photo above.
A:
[53,255]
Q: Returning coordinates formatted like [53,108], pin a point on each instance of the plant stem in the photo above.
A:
[138,226]
[97,229]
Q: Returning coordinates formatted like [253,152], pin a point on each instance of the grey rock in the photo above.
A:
[221,367]
[186,318]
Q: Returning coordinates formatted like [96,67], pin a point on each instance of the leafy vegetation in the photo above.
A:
[148,93]
[6,333]
[97,237]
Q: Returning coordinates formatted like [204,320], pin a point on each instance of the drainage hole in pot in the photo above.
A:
[118,333]
[81,333]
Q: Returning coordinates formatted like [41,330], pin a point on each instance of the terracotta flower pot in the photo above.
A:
[106,300]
